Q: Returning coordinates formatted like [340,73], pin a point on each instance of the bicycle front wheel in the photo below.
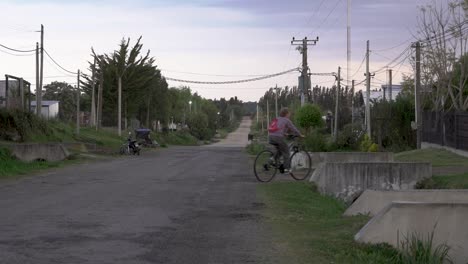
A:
[265,166]
[301,165]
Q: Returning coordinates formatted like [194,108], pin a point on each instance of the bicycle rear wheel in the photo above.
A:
[265,166]
[301,165]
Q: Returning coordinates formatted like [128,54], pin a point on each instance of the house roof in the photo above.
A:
[45,103]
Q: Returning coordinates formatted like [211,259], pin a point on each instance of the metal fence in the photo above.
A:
[446,129]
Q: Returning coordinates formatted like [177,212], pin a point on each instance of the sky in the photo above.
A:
[214,40]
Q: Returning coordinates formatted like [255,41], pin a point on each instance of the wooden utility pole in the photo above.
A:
[276,100]
[93,94]
[78,104]
[39,95]
[337,102]
[257,114]
[38,84]
[119,102]
[417,94]
[390,88]
[100,88]
[352,102]
[304,76]
[368,76]
[268,114]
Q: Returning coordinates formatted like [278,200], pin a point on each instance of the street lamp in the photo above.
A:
[190,105]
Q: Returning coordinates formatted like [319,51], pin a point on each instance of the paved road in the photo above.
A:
[179,205]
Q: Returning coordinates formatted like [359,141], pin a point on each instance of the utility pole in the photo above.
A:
[390,88]
[417,94]
[348,38]
[268,114]
[39,95]
[368,76]
[93,97]
[257,114]
[337,101]
[78,104]
[100,88]
[352,102]
[38,84]
[119,117]
[304,76]
[276,101]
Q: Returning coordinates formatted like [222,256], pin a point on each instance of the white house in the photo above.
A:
[50,109]
[378,94]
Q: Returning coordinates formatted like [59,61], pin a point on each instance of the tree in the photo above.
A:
[309,116]
[445,49]
[65,94]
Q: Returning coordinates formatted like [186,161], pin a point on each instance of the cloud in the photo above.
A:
[206,36]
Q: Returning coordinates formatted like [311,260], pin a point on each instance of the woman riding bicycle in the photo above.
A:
[277,131]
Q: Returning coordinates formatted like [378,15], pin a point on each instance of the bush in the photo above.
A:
[16,125]
[350,137]
[254,148]
[309,116]
[315,141]
[366,143]
[373,148]
[198,124]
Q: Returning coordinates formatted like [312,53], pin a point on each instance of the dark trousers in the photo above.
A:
[282,146]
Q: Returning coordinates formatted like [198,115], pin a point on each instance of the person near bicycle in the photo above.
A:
[277,131]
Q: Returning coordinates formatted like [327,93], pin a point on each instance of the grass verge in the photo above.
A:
[311,227]
[459,181]
[10,167]
[438,157]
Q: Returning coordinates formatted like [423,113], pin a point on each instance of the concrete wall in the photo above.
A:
[321,157]
[32,152]
[349,179]
[396,221]
[373,201]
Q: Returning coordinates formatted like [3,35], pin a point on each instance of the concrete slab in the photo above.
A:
[321,157]
[348,180]
[373,201]
[32,152]
[400,219]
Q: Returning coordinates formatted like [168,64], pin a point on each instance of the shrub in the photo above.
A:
[198,124]
[366,143]
[309,116]
[350,137]
[373,148]
[254,148]
[315,141]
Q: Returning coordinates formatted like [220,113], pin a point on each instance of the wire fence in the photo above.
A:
[446,129]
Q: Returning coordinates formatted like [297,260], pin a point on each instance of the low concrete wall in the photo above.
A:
[400,219]
[373,201]
[321,157]
[349,179]
[32,152]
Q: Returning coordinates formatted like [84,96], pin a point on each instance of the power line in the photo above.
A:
[360,66]
[394,47]
[231,82]
[48,55]
[17,55]
[16,50]
[326,18]
[216,75]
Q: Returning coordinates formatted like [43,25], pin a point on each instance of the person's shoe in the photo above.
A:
[287,171]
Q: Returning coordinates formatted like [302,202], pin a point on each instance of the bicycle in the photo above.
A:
[268,162]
